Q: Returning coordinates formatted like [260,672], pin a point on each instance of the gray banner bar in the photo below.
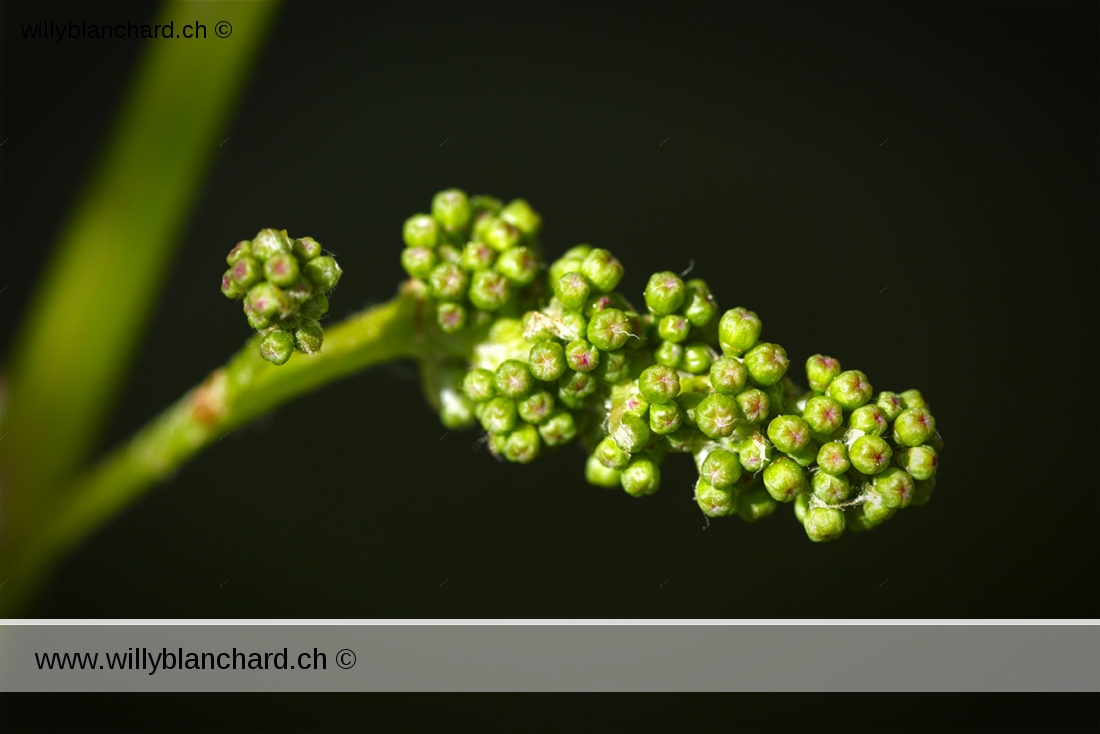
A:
[522,658]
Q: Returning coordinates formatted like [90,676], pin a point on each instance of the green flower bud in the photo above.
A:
[559,429]
[306,248]
[832,458]
[263,303]
[599,475]
[716,416]
[669,354]
[572,325]
[754,405]
[923,491]
[546,361]
[451,208]
[268,243]
[489,290]
[766,363]
[721,468]
[449,254]
[609,329]
[789,433]
[610,455]
[914,399]
[574,387]
[919,461]
[450,317]
[614,367]
[635,404]
[513,379]
[538,327]
[420,230]
[823,524]
[456,410]
[754,452]
[323,272]
[870,454]
[784,479]
[309,336]
[479,385]
[659,383]
[664,293]
[739,330]
[536,407]
[831,489]
[665,418]
[448,281]
[242,275]
[241,249]
[641,477]
[820,371]
[727,376]
[570,262]
[755,504]
[520,215]
[891,404]
[290,322]
[299,291]
[477,256]
[572,289]
[713,501]
[700,307]
[277,346]
[498,415]
[673,328]
[823,414]
[697,359]
[602,269]
[631,434]
[315,306]
[519,265]
[501,235]
[851,389]
[522,446]
[912,427]
[230,289]
[483,205]
[581,356]
[872,513]
[870,419]
[895,487]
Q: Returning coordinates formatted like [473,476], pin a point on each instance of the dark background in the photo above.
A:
[910,187]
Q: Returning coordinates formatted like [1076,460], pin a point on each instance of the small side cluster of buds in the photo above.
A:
[284,284]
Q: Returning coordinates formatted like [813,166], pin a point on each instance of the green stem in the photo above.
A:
[231,396]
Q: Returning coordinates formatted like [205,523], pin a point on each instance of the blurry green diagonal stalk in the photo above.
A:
[92,306]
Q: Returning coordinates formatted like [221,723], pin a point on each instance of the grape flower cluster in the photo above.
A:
[539,356]
[284,284]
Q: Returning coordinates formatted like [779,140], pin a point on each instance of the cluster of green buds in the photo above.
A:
[474,258]
[284,284]
[575,360]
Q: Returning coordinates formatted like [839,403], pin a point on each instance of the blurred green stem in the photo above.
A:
[231,396]
[88,314]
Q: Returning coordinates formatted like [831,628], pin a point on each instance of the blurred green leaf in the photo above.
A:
[94,302]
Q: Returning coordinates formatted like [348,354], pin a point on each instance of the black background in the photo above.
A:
[910,187]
